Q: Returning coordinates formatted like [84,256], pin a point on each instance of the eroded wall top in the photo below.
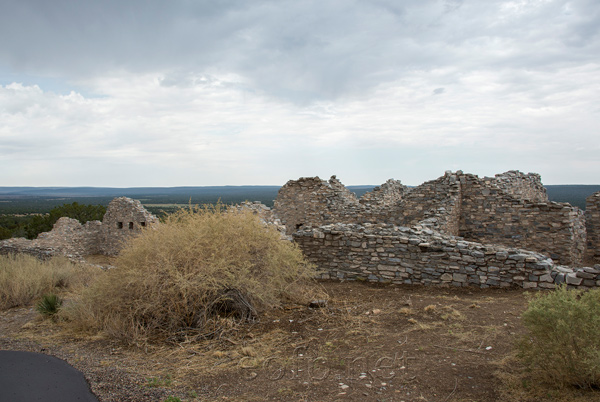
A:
[520,185]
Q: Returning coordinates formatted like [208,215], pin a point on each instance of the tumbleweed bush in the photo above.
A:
[562,347]
[198,268]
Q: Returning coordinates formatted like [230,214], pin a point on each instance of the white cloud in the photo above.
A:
[198,93]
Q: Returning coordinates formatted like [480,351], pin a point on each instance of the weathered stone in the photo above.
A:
[572,279]
[123,219]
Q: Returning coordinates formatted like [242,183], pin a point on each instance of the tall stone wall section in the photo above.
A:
[436,203]
[592,219]
[123,219]
[402,255]
[311,201]
[490,215]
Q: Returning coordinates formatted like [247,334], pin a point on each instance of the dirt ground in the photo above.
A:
[369,343]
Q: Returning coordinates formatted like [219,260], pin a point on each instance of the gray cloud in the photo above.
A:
[296,50]
[259,92]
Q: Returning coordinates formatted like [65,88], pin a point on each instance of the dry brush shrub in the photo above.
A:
[562,347]
[24,278]
[192,274]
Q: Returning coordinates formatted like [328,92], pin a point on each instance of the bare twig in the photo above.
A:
[462,350]
[453,391]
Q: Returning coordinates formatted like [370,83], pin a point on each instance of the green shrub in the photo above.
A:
[49,305]
[562,347]
[196,273]
[24,278]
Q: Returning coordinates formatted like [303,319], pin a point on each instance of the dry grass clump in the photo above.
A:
[190,275]
[24,278]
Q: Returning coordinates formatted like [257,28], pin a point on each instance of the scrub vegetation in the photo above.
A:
[24,279]
[195,276]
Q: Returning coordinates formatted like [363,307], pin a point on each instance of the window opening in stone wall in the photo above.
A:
[143,224]
[119,225]
[130,225]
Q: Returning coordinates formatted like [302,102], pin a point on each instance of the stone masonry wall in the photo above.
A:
[389,193]
[592,219]
[402,255]
[311,201]
[511,209]
[522,186]
[490,215]
[436,203]
[72,237]
[68,237]
[124,218]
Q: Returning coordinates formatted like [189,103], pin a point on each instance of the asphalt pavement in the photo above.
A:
[30,377]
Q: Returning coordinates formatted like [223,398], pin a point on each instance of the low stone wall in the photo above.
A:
[592,221]
[71,237]
[402,255]
[68,237]
[24,246]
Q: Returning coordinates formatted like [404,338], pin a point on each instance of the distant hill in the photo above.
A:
[574,194]
[16,200]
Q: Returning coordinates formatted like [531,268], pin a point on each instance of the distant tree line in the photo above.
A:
[30,226]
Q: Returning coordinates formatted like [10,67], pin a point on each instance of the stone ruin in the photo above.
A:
[456,230]
[124,218]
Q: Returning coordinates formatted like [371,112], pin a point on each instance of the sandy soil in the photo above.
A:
[371,343]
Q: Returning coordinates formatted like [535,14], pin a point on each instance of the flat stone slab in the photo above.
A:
[27,376]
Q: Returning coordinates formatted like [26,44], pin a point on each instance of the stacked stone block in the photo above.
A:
[124,218]
[436,204]
[311,201]
[592,219]
[490,215]
[523,186]
[418,255]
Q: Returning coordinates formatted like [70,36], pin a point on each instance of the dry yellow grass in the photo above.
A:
[24,278]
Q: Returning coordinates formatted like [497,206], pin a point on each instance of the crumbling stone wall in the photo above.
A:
[388,194]
[511,209]
[402,255]
[24,246]
[490,215]
[522,186]
[68,237]
[311,201]
[436,204]
[124,218]
[71,237]
[592,220]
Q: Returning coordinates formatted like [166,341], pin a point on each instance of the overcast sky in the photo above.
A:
[230,92]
